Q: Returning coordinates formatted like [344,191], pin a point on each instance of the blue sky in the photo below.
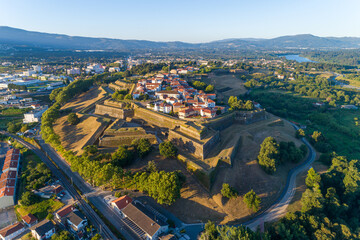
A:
[187,20]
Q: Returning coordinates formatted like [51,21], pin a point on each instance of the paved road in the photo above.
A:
[89,212]
[94,195]
[278,209]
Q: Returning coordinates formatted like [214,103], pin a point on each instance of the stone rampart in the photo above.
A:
[113,111]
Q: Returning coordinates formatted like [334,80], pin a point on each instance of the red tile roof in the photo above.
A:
[7,191]
[29,219]
[65,211]
[122,201]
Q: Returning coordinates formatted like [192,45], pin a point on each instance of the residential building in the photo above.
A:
[145,224]
[43,230]
[63,212]
[12,231]
[114,69]
[94,68]
[8,178]
[120,203]
[76,220]
[49,191]
[34,116]
[29,220]
[73,71]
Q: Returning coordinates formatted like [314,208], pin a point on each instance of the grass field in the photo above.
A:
[41,209]
[85,99]
[75,137]
[11,114]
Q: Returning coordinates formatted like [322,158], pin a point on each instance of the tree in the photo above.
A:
[122,157]
[167,149]
[312,200]
[210,232]
[50,216]
[317,136]
[269,155]
[168,88]
[252,201]
[96,237]
[63,235]
[143,146]
[228,191]
[313,179]
[209,88]
[29,198]
[128,96]
[12,127]
[300,133]
[151,167]
[73,119]
[90,149]
[24,127]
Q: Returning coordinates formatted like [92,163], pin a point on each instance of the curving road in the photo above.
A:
[278,209]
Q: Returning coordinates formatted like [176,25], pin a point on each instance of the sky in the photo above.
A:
[186,20]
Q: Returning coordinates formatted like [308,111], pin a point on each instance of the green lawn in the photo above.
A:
[41,209]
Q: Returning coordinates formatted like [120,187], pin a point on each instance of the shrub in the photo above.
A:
[73,119]
[228,191]
[252,201]
[167,149]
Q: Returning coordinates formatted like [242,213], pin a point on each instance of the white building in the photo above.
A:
[73,71]
[37,68]
[114,69]
[94,68]
[34,116]
[43,230]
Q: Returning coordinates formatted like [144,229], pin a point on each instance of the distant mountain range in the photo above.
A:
[14,36]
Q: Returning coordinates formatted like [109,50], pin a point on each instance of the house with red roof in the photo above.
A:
[29,220]
[120,203]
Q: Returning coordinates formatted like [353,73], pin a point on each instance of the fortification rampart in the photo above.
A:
[240,117]
[157,119]
[113,111]
[194,146]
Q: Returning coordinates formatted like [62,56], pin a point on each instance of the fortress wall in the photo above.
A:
[191,131]
[113,103]
[240,117]
[115,141]
[155,118]
[196,148]
[113,112]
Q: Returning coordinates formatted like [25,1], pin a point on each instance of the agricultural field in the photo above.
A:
[14,115]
